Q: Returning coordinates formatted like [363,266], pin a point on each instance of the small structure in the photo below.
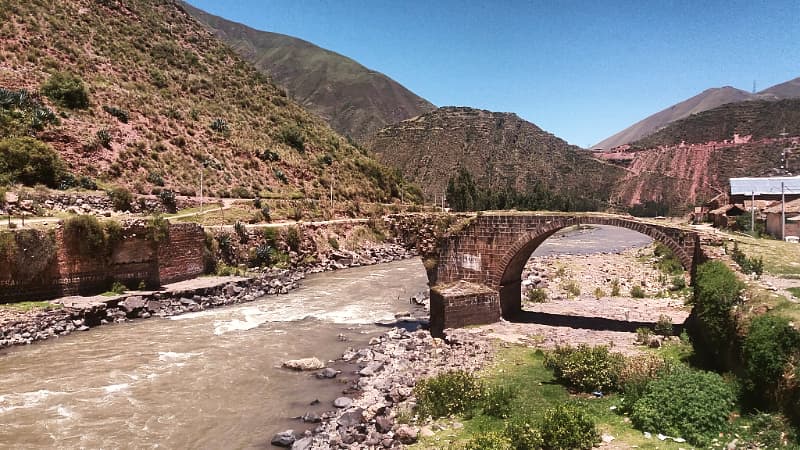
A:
[725,216]
[764,188]
[774,216]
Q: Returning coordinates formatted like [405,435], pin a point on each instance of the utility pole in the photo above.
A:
[783,214]
[753,212]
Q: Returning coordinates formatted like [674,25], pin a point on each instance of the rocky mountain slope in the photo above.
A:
[355,100]
[499,150]
[691,160]
[162,97]
[706,100]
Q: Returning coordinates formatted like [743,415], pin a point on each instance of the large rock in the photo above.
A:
[343,402]
[283,439]
[406,434]
[304,364]
[302,444]
[351,418]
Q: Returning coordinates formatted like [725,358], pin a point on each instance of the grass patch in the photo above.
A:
[780,258]
[794,291]
[31,306]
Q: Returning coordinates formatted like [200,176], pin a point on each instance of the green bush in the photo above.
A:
[667,263]
[103,138]
[678,283]
[86,234]
[29,161]
[637,292]
[121,198]
[120,114]
[585,368]
[638,372]
[293,137]
[691,404]
[713,326]
[537,295]
[66,90]
[262,255]
[572,288]
[241,231]
[748,265]
[615,287]
[448,393]
[770,345]
[497,401]
[291,236]
[118,288]
[167,198]
[664,325]
[490,440]
[768,431]
[333,242]
[643,335]
[523,431]
[220,125]
[566,427]
[158,228]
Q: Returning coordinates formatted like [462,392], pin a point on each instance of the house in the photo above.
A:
[792,212]
[764,188]
[725,216]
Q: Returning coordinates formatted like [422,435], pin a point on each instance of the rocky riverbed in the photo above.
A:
[69,314]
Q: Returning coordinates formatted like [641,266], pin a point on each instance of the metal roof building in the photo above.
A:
[765,186]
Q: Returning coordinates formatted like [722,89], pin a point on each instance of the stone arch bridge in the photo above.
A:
[475,273]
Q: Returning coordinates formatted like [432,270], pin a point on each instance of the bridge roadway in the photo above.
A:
[475,272]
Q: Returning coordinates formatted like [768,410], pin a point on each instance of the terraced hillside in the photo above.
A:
[355,100]
[163,97]
[499,150]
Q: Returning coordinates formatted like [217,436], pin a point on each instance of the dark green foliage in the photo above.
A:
[240,192]
[537,295]
[523,430]
[637,291]
[497,401]
[489,440]
[103,138]
[225,246]
[664,325]
[86,234]
[748,265]
[241,231]
[667,261]
[22,114]
[586,368]
[262,256]
[265,213]
[691,404]
[651,208]
[770,345]
[167,198]
[638,372]
[155,177]
[678,283]
[27,252]
[716,291]
[270,235]
[333,242]
[293,137]
[744,223]
[220,125]
[67,90]
[768,431]
[158,229]
[121,198]
[121,114]
[454,392]
[566,427]
[463,194]
[268,156]
[292,238]
[325,160]
[118,288]
[29,161]
[280,175]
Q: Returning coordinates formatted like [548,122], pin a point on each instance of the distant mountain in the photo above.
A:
[708,99]
[789,89]
[154,97]
[499,150]
[355,100]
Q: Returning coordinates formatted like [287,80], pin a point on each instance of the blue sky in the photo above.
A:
[581,70]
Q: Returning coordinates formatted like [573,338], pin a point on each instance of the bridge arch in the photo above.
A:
[506,277]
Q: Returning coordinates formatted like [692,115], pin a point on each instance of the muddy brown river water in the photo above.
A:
[212,379]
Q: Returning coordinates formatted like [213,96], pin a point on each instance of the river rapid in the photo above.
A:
[210,379]
[213,379]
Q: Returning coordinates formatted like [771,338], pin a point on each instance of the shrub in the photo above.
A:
[121,198]
[86,234]
[293,137]
[265,213]
[103,138]
[637,292]
[713,326]
[155,178]
[120,114]
[667,263]
[490,440]
[523,431]
[448,393]
[270,235]
[599,293]
[333,242]
[158,228]
[585,368]
[678,283]
[572,288]
[27,253]
[241,231]
[292,238]
[220,125]
[664,325]
[67,90]
[643,335]
[167,198]
[692,404]
[748,265]
[262,256]
[497,401]
[29,161]
[118,288]
[268,156]
[638,371]
[770,345]
[280,175]
[566,427]
[537,295]
[615,287]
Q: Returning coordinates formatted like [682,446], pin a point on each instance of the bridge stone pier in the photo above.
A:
[475,273]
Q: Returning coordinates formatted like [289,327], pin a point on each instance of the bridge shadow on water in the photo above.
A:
[588,323]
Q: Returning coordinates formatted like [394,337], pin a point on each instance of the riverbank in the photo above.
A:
[60,317]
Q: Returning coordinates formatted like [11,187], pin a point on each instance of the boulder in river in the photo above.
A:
[343,402]
[304,364]
[283,439]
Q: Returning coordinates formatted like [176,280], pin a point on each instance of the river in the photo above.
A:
[212,379]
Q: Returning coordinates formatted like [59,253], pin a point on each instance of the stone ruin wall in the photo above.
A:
[133,260]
